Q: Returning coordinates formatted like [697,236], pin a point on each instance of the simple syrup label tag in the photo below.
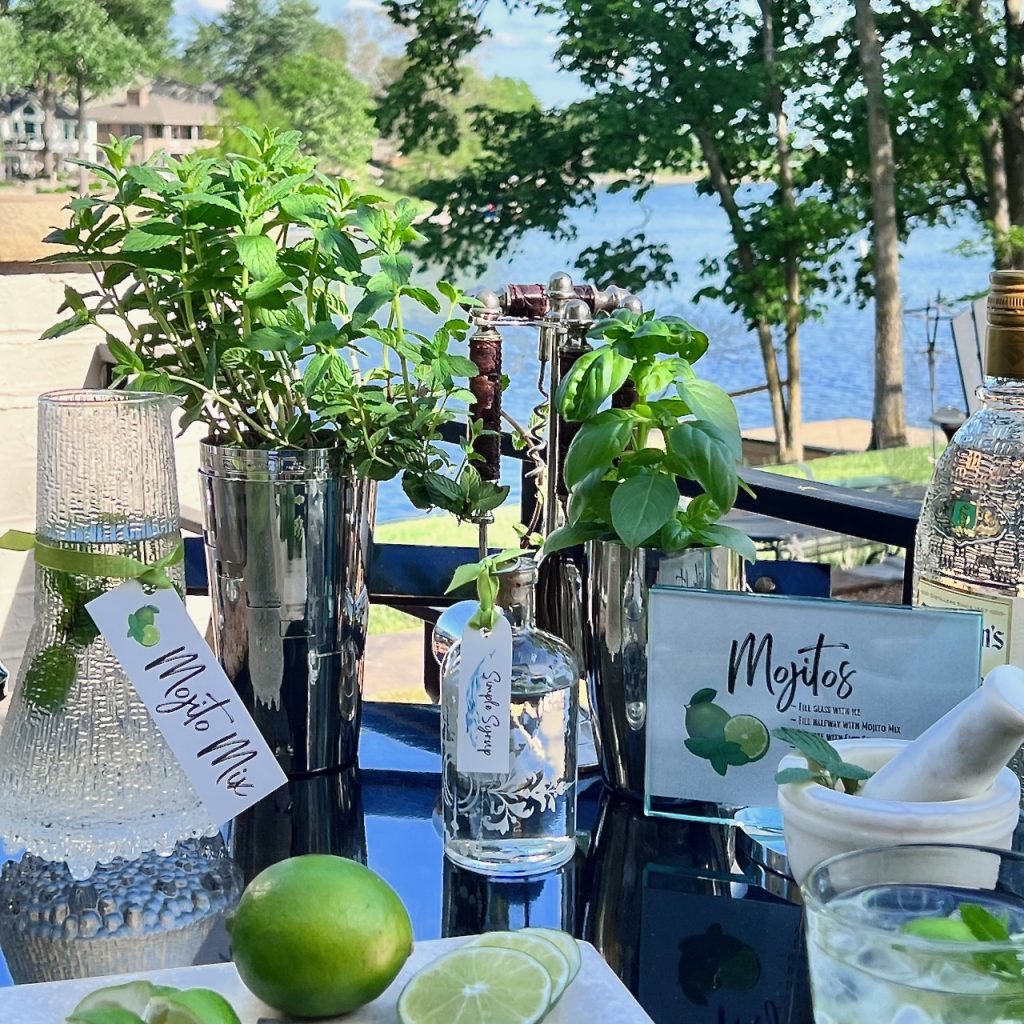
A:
[189,697]
[485,699]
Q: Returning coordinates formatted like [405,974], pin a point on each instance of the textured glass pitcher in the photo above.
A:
[85,775]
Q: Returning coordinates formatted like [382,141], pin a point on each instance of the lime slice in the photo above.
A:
[477,985]
[944,929]
[544,951]
[133,996]
[567,946]
[191,1006]
[749,734]
[105,1015]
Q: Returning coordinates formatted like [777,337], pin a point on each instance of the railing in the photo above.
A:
[413,578]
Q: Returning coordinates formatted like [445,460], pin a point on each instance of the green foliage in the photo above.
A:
[430,161]
[314,94]
[250,39]
[281,67]
[484,573]
[249,287]
[825,765]
[96,43]
[623,465]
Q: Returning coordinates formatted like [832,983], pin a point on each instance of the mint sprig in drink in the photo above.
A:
[917,935]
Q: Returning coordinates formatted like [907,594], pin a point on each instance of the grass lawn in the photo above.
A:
[443,530]
[862,469]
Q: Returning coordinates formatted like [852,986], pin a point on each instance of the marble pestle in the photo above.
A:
[963,752]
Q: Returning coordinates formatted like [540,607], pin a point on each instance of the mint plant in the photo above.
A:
[624,464]
[825,765]
[269,297]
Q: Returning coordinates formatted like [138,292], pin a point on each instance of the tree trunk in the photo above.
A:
[748,264]
[49,129]
[888,428]
[1013,118]
[83,141]
[993,157]
[787,194]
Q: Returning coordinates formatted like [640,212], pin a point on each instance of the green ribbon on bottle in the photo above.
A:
[92,563]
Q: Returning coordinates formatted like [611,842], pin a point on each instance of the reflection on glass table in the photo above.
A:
[685,926]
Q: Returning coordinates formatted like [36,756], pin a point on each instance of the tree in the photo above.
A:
[427,163]
[280,66]
[703,87]
[78,48]
[247,42]
[888,428]
[318,96]
[955,71]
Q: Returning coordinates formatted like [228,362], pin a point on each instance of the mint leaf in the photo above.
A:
[814,747]
[984,926]
[788,775]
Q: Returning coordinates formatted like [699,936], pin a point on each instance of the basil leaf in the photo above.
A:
[728,537]
[710,402]
[707,460]
[788,775]
[463,575]
[591,381]
[642,505]
[596,444]
[570,536]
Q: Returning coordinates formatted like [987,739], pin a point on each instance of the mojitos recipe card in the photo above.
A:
[725,669]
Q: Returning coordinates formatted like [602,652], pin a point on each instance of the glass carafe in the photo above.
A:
[85,775]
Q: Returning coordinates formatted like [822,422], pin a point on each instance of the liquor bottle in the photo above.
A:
[524,820]
[970,537]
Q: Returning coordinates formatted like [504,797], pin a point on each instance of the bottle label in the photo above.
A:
[1001,645]
[485,700]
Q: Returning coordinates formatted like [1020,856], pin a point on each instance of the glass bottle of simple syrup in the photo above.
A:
[522,820]
[970,537]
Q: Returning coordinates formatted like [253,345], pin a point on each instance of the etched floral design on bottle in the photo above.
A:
[969,552]
[522,821]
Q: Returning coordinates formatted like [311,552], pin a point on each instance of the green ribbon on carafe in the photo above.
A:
[92,563]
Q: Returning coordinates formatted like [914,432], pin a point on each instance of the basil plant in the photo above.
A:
[623,465]
[270,298]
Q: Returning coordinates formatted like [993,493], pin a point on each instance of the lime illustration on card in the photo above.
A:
[746,665]
[720,738]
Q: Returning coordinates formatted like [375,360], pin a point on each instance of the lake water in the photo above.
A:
[837,351]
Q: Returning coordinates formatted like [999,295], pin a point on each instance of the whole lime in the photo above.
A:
[706,721]
[316,936]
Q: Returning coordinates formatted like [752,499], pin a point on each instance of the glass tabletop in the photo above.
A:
[691,926]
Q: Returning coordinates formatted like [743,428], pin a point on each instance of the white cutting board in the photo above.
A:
[595,995]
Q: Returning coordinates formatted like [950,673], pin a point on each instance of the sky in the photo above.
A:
[522,43]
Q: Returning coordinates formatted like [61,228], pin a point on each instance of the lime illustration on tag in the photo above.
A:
[142,626]
[727,741]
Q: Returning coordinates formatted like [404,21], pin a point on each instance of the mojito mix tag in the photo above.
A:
[189,697]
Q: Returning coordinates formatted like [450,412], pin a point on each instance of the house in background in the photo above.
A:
[166,116]
[22,131]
